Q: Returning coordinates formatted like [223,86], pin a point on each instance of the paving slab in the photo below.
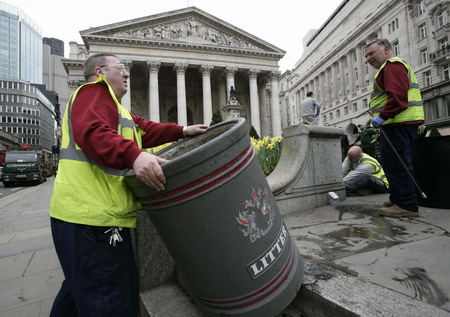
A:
[29,289]
[407,257]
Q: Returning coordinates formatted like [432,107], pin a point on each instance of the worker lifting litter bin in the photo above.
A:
[220,223]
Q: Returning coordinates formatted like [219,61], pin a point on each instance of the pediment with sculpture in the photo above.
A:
[190,26]
[188,31]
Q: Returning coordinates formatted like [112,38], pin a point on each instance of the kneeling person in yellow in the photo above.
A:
[92,209]
[363,174]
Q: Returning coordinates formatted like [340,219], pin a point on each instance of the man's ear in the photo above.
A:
[98,71]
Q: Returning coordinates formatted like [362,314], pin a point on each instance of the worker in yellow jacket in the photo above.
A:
[92,209]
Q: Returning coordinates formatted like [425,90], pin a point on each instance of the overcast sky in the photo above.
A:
[282,23]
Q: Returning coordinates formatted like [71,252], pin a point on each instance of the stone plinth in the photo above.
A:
[233,109]
[309,168]
[160,294]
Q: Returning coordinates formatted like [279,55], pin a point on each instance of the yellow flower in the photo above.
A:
[158,148]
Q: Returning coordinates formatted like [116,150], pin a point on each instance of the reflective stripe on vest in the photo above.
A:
[87,192]
[378,170]
[379,98]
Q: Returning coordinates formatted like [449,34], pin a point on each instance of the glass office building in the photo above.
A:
[20,46]
[26,112]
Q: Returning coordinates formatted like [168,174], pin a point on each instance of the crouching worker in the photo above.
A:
[363,174]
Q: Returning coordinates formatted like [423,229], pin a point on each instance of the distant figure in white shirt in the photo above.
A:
[310,110]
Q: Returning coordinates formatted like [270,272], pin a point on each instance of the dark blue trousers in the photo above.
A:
[100,279]
[401,186]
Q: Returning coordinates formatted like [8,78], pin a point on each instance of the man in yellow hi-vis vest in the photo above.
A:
[362,174]
[396,106]
[92,209]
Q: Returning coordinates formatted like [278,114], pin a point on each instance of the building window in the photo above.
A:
[446,71]
[447,104]
[356,73]
[427,78]
[365,104]
[443,43]
[331,116]
[355,107]
[442,18]
[424,56]
[396,48]
[421,7]
[433,110]
[345,111]
[422,31]
[338,113]
[393,25]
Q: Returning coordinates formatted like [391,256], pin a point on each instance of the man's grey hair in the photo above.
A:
[382,42]
[94,61]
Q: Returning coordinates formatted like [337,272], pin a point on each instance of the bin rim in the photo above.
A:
[167,167]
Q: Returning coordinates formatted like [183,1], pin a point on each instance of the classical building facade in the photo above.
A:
[182,66]
[333,64]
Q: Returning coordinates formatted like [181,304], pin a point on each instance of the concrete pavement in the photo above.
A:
[357,263]
[30,274]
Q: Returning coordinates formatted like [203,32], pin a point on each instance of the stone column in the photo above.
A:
[222,92]
[254,102]
[153,86]
[180,69]
[275,106]
[351,71]
[334,95]
[207,100]
[230,71]
[360,63]
[126,99]
[327,86]
[322,89]
[317,90]
[265,123]
[342,71]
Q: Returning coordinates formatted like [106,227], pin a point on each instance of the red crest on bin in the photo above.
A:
[256,219]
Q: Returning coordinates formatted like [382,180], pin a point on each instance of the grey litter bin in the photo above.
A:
[220,223]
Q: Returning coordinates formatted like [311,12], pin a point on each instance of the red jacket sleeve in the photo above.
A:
[157,133]
[94,120]
[393,79]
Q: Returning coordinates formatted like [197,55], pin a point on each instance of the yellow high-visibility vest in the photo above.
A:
[86,192]
[378,170]
[379,97]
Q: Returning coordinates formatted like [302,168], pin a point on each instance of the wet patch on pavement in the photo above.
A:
[424,287]
[358,228]
[360,211]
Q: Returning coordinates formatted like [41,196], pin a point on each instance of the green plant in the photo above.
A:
[268,152]
[216,117]
[253,133]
